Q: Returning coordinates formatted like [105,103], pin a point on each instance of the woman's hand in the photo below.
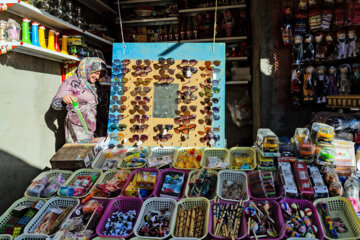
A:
[69,99]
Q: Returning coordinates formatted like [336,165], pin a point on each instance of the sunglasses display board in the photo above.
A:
[168,94]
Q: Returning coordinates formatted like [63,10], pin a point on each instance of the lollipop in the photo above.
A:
[254,227]
[271,233]
[264,205]
[250,213]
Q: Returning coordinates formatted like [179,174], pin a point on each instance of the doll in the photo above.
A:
[296,82]
[330,47]
[314,16]
[355,83]
[302,6]
[339,14]
[332,71]
[228,23]
[310,77]
[341,44]
[301,18]
[343,82]
[298,49]
[320,48]
[327,15]
[321,84]
[351,43]
[287,27]
[309,51]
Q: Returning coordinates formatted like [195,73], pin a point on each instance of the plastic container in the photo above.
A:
[276,215]
[162,178]
[235,176]
[221,153]
[108,175]
[142,170]
[55,202]
[242,226]
[340,207]
[189,203]
[82,172]
[279,192]
[122,204]
[107,238]
[245,150]
[188,189]
[33,237]
[5,237]
[100,160]
[163,151]
[181,151]
[50,174]
[134,149]
[156,204]
[314,217]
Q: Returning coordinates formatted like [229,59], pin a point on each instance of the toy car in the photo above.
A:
[306,151]
[286,150]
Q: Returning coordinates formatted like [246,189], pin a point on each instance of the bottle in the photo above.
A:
[56,43]
[42,36]
[51,40]
[25,31]
[35,34]
[64,45]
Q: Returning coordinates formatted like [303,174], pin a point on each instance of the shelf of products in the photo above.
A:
[236,82]
[98,6]
[32,50]
[205,9]
[222,39]
[158,21]
[236,58]
[136,2]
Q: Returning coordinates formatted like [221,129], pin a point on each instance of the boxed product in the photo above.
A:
[73,156]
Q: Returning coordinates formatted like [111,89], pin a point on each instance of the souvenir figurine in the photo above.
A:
[343,82]
[314,16]
[330,47]
[68,14]
[301,18]
[332,71]
[310,77]
[355,83]
[352,43]
[298,49]
[57,9]
[327,15]
[302,6]
[339,14]
[43,5]
[287,27]
[341,44]
[321,84]
[356,12]
[296,82]
[228,23]
[320,48]
[309,51]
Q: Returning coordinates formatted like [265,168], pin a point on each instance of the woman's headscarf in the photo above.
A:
[86,67]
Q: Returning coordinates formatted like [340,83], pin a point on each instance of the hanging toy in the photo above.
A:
[308,88]
[332,71]
[327,15]
[286,24]
[320,48]
[351,43]
[321,85]
[296,83]
[309,50]
[341,44]
[314,16]
[344,84]
[298,49]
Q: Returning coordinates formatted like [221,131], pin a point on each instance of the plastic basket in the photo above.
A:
[279,190]
[242,226]
[276,215]
[107,238]
[162,178]
[156,204]
[235,176]
[142,170]
[122,204]
[32,237]
[5,237]
[189,203]
[187,190]
[314,217]
[108,175]
[55,202]
[27,202]
[100,160]
[163,151]
[82,172]
[50,174]
[247,150]
[221,153]
[340,207]
[123,159]
[182,150]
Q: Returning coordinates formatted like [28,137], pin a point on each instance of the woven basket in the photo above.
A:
[189,203]
[155,204]
[163,151]
[132,150]
[221,153]
[50,174]
[55,202]
[245,150]
[32,237]
[162,178]
[122,204]
[188,189]
[100,160]
[108,175]
[340,207]
[27,202]
[5,237]
[82,172]
[242,226]
[182,150]
[235,176]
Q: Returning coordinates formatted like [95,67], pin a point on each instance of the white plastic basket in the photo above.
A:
[221,153]
[163,151]
[235,176]
[158,204]
[109,238]
[106,176]
[33,237]
[56,202]
[100,160]
[5,237]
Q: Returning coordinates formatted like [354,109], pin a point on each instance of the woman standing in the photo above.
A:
[81,87]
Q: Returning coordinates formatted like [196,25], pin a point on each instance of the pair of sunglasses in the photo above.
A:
[163,80]
[118,90]
[146,62]
[208,82]
[216,117]
[205,138]
[184,129]
[169,61]
[191,62]
[117,136]
[161,127]
[186,98]
[118,102]
[216,63]
[116,108]
[117,70]
[162,138]
[207,120]
[136,137]
[191,89]
[118,62]
[206,94]
[139,118]
[142,91]
[207,130]
[140,101]
[144,82]
[161,66]
[186,109]
[209,101]
[137,109]
[114,127]
[164,71]
[138,128]
[185,119]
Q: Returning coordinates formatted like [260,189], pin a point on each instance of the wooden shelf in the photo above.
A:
[236,82]
[131,3]
[26,10]
[99,7]
[195,10]
[40,52]
[152,21]
[236,58]
[222,39]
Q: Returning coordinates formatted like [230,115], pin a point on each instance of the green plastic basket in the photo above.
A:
[184,149]
[101,238]
[187,190]
[245,150]
[340,207]
[133,149]
[163,151]
[222,153]
[33,237]
[106,176]
[5,237]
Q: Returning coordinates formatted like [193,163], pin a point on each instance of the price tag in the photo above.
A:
[164,132]
[139,143]
[212,142]
[125,140]
[87,161]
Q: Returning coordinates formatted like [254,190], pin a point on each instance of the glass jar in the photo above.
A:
[13,31]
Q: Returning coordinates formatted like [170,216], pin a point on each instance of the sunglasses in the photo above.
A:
[116,98]
[118,102]
[206,101]
[184,119]
[140,101]
[138,128]
[117,70]
[216,138]
[114,127]
[118,62]
[204,75]
[213,82]
[118,89]
[216,109]
[136,137]
[207,69]
[139,118]
[206,87]
[216,129]
[141,91]
[185,98]
[163,66]
[180,77]
[164,71]
[161,127]
[137,108]
[147,62]
[191,62]
[216,117]
[216,89]
[186,70]
[207,130]
[184,129]
[185,109]
[207,110]
[116,108]
[162,138]
[144,82]
[206,138]
[114,119]
[207,121]
[189,89]
[163,80]
[207,94]
[169,61]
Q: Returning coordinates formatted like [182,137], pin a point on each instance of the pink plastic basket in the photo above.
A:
[277,216]
[243,226]
[279,190]
[314,217]
[162,178]
[142,170]
[122,204]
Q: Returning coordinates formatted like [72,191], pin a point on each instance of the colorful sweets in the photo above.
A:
[189,159]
